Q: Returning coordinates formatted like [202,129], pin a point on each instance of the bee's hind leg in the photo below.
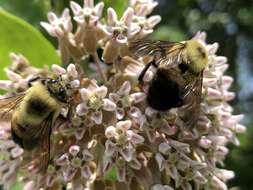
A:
[143,72]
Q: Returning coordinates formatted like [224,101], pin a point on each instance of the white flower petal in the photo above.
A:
[101,91]
[97,117]
[71,69]
[74,150]
[110,132]
[120,113]
[125,88]
[108,105]
[112,17]
[109,148]
[138,97]
[128,16]
[135,138]
[85,94]
[124,125]
[52,17]
[76,8]
[99,9]
[127,154]
[58,69]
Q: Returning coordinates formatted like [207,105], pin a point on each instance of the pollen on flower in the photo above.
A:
[107,127]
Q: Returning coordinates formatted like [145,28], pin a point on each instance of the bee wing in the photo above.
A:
[164,52]
[8,104]
[192,99]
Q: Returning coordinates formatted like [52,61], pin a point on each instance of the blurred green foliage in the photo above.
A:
[228,22]
[20,37]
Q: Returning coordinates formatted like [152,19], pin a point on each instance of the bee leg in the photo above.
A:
[143,72]
[30,81]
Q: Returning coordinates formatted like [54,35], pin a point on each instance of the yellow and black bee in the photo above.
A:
[33,113]
[178,79]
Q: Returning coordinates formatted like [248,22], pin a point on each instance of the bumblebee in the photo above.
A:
[33,113]
[178,78]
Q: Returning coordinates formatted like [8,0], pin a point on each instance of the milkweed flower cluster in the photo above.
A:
[110,138]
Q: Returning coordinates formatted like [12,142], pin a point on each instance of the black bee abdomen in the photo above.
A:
[164,93]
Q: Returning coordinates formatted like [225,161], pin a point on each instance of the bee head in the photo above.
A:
[195,56]
[57,89]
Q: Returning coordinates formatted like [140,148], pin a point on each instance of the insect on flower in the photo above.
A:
[33,113]
[178,79]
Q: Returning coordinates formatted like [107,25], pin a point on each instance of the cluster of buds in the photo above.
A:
[113,140]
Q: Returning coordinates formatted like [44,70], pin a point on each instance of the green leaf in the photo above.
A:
[18,36]
[111,174]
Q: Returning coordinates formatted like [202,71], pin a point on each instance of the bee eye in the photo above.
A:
[62,95]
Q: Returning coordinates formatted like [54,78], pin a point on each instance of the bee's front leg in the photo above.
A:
[143,72]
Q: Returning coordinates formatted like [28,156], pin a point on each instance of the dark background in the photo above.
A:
[228,22]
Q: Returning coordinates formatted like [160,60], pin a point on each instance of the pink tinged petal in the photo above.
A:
[50,180]
[225,174]
[67,25]
[212,49]
[86,172]
[214,94]
[127,154]
[157,187]
[79,19]
[201,36]
[52,17]
[199,178]
[29,185]
[121,174]
[124,125]
[208,82]
[97,117]
[154,20]
[69,173]
[240,128]
[112,17]
[58,69]
[85,94]
[114,97]
[217,183]
[221,151]
[120,113]
[229,96]
[135,112]
[87,155]
[76,8]
[63,160]
[164,148]
[121,39]
[79,133]
[48,27]
[108,105]
[160,161]
[12,75]
[138,97]
[16,152]
[75,83]
[133,30]
[89,3]
[71,69]
[205,143]
[227,81]
[125,88]
[128,16]
[110,148]
[65,14]
[98,9]
[74,150]
[135,138]
[101,91]
[110,132]
[5,84]
[58,31]
[220,60]
[81,109]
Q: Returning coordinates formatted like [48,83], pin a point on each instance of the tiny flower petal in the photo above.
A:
[97,117]
[124,125]
[108,105]
[71,69]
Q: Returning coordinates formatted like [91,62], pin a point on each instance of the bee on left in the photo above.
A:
[33,113]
